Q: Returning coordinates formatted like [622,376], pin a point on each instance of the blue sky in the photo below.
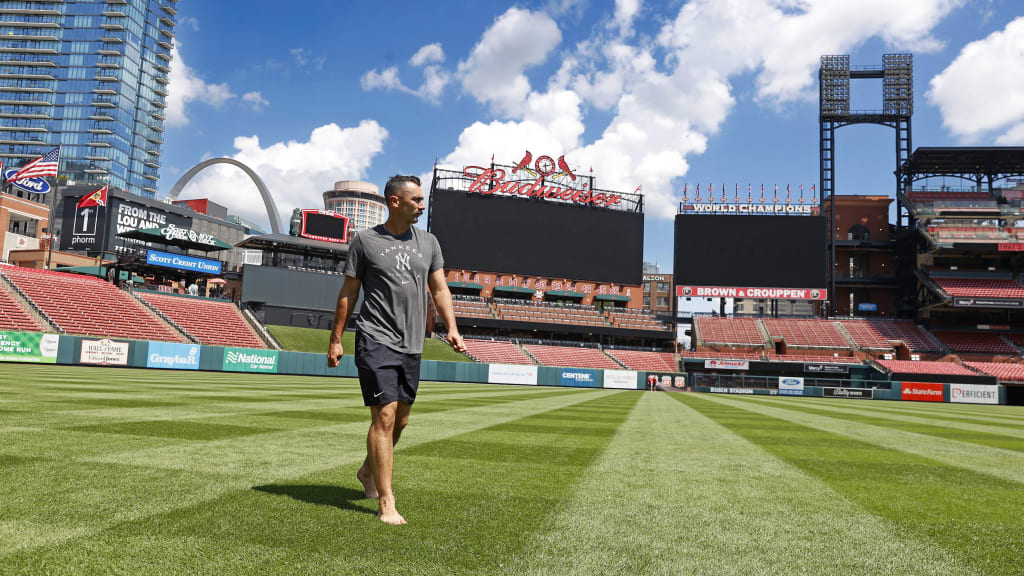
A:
[649,94]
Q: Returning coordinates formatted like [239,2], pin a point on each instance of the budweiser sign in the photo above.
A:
[499,181]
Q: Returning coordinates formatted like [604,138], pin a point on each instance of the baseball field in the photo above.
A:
[120,471]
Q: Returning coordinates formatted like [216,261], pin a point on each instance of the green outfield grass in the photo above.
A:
[119,471]
[313,340]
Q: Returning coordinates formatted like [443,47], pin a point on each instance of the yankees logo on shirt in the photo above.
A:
[402,262]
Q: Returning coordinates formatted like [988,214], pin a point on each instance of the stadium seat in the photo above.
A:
[717,355]
[645,360]
[876,334]
[14,316]
[809,333]
[88,306]
[820,358]
[742,331]
[981,288]
[925,367]
[571,356]
[635,319]
[471,307]
[212,322]
[496,352]
[548,312]
[948,196]
[1004,371]
[975,342]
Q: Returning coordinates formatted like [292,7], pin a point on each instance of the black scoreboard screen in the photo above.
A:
[324,225]
[527,236]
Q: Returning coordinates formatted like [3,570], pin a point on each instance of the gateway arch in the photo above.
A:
[268,200]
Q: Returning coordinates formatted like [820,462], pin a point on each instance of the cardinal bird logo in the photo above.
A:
[564,167]
[524,163]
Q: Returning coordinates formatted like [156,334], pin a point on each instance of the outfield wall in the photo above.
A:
[34,347]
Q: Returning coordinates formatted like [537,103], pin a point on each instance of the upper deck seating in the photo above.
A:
[496,351]
[742,331]
[814,333]
[816,358]
[1006,372]
[571,356]
[213,322]
[528,311]
[635,319]
[471,308]
[14,316]
[716,355]
[975,342]
[924,367]
[981,287]
[86,305]
[643,360]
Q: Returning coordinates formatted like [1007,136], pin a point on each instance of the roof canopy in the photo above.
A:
[965,161]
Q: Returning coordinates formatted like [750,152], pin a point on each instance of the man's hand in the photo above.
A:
[334,353]
[455,339]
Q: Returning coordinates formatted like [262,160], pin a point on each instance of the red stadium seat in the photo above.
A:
[1004,371]
[976,342]
[924,367]
[496,352]
[880,334]
[14,316]
[809,333]
[981,288]
[643,360]
[741,331]
[88,306]
[213,322]
[571,356]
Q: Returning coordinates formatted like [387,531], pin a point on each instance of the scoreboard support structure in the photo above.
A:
[834,76]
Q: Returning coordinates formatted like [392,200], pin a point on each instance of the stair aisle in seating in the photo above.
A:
[571,356]
[13,315]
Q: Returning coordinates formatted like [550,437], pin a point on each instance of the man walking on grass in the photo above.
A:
[395,263]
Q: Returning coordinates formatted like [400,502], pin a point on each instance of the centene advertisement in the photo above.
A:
[791,386]
[921,391]
[620,379]
[173,355]
[579,377]
[105,352]
[740,292]
[512,374]
[250,360]
[28,347]
[728,364]
[182,262]
[973,394]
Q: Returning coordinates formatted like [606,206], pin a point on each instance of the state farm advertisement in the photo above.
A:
[921,391]
[749,292]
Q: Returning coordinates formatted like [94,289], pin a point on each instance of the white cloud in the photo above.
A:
[303,58]
[982,90]
[625,13]
[669,95]
[434,81]
[427,54]
[297,173]
[493,73]
[386,79]
[190,21]
[255,100]
[186,86]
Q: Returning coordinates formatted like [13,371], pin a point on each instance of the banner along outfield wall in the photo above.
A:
[116,352]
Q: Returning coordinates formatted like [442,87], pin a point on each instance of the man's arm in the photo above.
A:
[443,304]
[347,297]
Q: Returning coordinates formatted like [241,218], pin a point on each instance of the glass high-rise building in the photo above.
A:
[90,76]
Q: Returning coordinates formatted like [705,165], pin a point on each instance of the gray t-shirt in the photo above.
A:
[393,271]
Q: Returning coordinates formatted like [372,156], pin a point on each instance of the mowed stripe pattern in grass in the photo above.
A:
[157,472]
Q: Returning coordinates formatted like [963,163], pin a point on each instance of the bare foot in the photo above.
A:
[369,487]
[389,514]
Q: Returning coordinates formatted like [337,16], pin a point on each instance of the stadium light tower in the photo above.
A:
[834,76]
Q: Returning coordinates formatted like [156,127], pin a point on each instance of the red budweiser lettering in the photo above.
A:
[488,181]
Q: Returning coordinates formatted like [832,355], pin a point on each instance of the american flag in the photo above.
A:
[45,165]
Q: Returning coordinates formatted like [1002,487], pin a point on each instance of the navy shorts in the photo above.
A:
[386,376]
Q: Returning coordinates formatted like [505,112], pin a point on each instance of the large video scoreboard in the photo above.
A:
[782,257]
[532,235]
